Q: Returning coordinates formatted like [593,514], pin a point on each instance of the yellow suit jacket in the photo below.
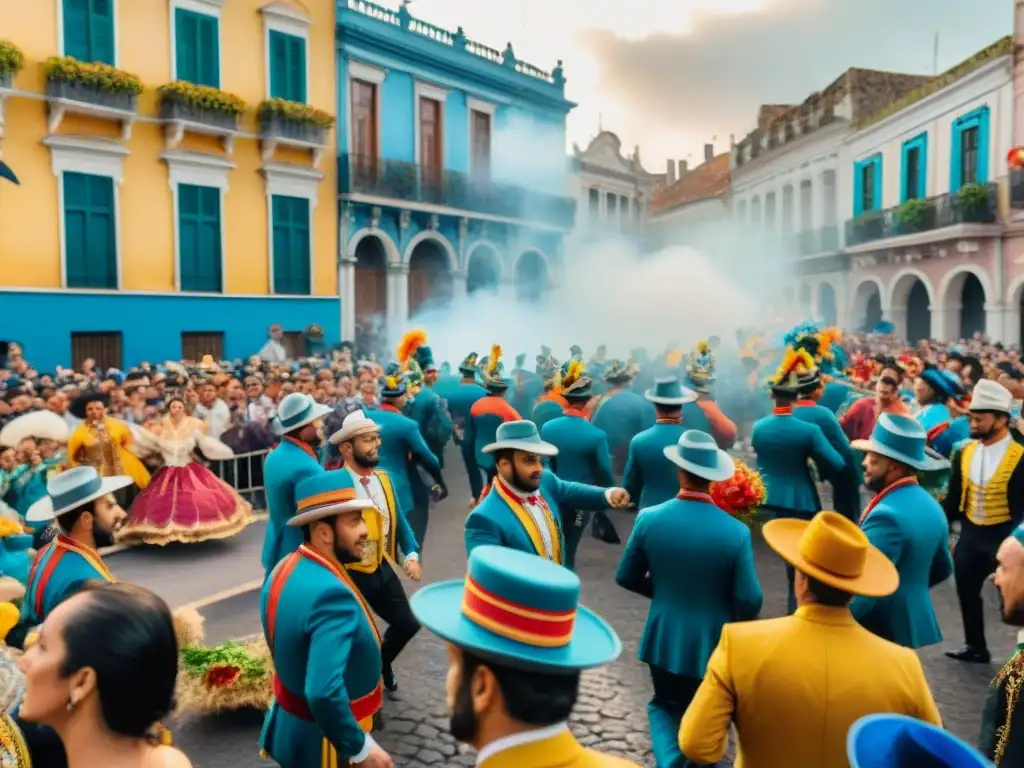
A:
[794,686]
[559,751]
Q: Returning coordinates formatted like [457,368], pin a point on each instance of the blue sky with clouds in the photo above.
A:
[671,74]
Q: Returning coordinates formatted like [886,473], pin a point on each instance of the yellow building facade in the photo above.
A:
[177,170]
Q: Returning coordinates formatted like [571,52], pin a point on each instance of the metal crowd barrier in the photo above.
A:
[244,473]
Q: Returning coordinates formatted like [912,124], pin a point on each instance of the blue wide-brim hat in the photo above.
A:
[325,495]
[668,391]
[72,489]
[520,436]
[941,383]
[898,741]
[903,439]
[520,610]
[699,454]
[297,410]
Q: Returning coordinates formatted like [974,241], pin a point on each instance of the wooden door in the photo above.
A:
[431,157]
[481,142]
[364,130]
[371,292]
[195,344]
[104,347]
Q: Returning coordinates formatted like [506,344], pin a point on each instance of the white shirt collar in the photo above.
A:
[518,739]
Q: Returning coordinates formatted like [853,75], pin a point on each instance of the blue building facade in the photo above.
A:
[452,169]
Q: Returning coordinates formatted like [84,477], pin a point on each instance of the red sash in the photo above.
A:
[363,707]
[912,480]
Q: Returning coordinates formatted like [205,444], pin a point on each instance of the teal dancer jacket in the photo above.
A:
[910,527]
[683,542]
[460,403]
[650,478]
[623,415]
[783,445]
[60,569]
[289,463]
[401,447]
[327,665]
[845,482]
[582,450]
[502,520]
[427,409]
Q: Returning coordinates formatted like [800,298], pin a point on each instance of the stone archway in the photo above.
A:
[910,298]
[827,309]
[371,290]
[531,276]
[483,270]
[867,305]
[430,278]
[972,306]
[963,296]
[805,298]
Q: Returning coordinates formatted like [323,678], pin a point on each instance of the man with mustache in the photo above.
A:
[1002,719]
[986,494]
[517,640]
[908,525]
[388,529]
[521,509]
[322,637]
[87,517]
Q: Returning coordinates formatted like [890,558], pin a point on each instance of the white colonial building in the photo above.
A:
[786,188]
[689,208]
[921,203]
[611,189]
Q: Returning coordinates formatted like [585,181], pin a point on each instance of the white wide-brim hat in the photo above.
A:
[70,490]
[989,395]
[699,454]
[520,436]
[355,424]
[331,510]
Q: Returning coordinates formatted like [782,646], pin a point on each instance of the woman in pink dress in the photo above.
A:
[185,501]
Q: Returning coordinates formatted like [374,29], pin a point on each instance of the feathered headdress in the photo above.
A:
[572,374]
[410,342]
[493,367]
[796,362]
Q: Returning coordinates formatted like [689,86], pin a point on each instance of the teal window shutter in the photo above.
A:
[858,189]
[90,235]
[979,120]
[287,67]
[197,48]
[291,243]
[877,196]
[89,30]
[919,174]
[199,238]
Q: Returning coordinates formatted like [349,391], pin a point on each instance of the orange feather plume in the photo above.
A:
[572,373]
[494,360]
[410,342]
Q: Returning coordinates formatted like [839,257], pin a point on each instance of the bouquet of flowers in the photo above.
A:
[742,494]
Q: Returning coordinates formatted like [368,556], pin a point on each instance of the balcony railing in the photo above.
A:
[398,180]
[925,215]
[814,241]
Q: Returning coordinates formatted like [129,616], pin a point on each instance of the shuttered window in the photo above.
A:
[199,238]
[197,48]
[291,245]
[89,30]
[287,67]
[90,231]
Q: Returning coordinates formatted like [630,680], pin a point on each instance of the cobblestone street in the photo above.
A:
[611,713]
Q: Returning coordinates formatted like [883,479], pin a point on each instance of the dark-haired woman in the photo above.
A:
[103,443]
[185,502]
[102,676]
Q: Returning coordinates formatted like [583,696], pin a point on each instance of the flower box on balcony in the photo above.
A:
[974,204]
[200,104]
[291,121]
[97,84]
[914,216]
[11,62]
[869,226]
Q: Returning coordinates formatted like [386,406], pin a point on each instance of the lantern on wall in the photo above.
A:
[1015,158]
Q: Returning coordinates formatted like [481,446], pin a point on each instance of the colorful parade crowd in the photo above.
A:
[356,462]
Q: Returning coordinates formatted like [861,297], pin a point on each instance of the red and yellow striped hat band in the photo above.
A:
[523,624]
[327,498]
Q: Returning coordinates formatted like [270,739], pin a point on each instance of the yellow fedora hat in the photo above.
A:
[835,551]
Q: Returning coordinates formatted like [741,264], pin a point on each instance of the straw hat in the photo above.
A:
[835,551]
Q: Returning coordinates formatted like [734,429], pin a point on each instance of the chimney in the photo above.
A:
[671,174]
[683,168]
[732,140]
[709,152]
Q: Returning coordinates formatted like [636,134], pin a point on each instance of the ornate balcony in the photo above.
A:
[970,205]
[395,180]
[1017,190]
